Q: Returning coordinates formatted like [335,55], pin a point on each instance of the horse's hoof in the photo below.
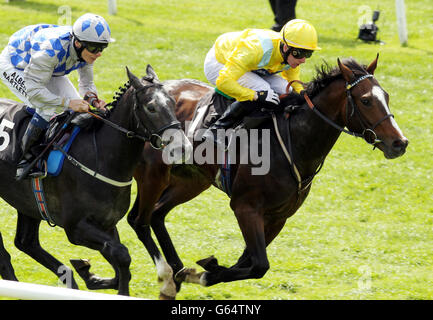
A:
[190,275]
[209,264]
[165,297]
[80,265]
[181,275]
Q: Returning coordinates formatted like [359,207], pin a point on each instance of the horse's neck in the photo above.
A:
[121,152]
[312,137]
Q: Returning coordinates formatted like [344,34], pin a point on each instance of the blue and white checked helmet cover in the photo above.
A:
[92,28]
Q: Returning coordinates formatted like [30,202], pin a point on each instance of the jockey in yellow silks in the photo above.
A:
[254,67]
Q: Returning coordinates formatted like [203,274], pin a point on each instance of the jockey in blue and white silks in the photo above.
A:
[36,62]
[34,57]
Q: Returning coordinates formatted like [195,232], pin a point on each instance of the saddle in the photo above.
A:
[63,128]
[210,108]
[213,105]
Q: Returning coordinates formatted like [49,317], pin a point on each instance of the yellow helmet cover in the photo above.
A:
[299,33]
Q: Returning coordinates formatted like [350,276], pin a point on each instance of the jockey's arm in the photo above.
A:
[293,74]
[37,75]
[85,80]
[86,84]
[243,60]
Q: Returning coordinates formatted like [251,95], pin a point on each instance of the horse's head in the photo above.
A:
[154,111]
[368,112]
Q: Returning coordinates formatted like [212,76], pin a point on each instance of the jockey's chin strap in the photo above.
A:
[367,134]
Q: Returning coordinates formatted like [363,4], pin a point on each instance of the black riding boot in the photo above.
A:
[233,115]
[34,131]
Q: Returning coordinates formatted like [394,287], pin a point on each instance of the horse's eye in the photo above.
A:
[365,102]
[151,109]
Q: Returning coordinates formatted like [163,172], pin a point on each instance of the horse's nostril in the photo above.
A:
[400,144]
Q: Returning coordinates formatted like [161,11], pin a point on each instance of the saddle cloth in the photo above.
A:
[13,121]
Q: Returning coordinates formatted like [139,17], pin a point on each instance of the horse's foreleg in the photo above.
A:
[6,270]
[252,227]
[149,189]
[94,282]
[27,240]
[165,273]
[272,229]
[179,191]
[108,244]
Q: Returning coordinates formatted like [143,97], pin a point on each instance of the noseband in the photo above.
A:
[154,138]
[368,133]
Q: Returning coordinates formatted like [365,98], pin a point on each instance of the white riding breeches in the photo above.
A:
[249,80]
[14,80]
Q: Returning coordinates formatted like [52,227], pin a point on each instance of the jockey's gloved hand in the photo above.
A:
[268,97]
[91,98]
[94,101]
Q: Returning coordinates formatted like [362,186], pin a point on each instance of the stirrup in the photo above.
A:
[35,172]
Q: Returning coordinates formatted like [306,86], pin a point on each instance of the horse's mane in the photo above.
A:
[87,122]
[326,74]
[119,94]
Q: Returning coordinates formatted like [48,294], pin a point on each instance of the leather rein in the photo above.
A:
[367,134]
[130,134]
[303,184]
[151,137]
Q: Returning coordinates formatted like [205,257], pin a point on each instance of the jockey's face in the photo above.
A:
[291,60]
[88,56]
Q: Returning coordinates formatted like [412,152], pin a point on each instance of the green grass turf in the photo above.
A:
[365,230]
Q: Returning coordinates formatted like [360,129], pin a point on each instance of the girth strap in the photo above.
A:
[286,153]
[38,191]
[302,184]
[89,171]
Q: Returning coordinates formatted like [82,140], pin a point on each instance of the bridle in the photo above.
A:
[303,184]
[368,133]
[154,138]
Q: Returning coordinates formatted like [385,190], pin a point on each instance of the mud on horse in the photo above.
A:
[347,96]
[88,208]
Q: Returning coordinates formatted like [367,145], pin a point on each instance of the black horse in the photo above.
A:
[344,97]
[86,207]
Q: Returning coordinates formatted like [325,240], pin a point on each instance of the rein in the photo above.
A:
[367,134]
[366,131]
[129,134]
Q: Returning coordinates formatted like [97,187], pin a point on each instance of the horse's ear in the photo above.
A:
[345,71]
[133,80]
[151,74]
[373,65]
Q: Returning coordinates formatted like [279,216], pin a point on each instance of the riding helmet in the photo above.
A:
[299,33]
[92,28]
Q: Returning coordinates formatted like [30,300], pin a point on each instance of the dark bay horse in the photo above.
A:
[86,207]
[347,96]
[261,203]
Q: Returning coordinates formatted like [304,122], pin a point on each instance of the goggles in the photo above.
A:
[94,47]
[301,53]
